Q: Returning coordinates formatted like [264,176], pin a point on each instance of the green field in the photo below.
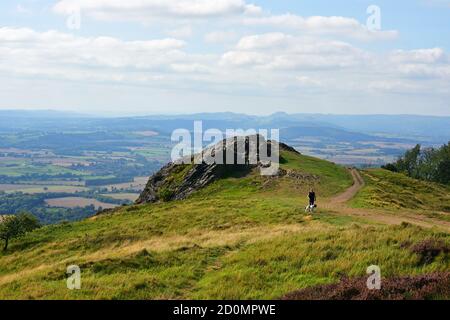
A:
[31,189]
[18,168]
[123,196]
[74,202]
[240,238]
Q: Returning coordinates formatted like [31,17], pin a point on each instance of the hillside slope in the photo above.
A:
[397,192]
[240,237]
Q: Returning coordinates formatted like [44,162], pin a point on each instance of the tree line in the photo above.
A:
[430,164]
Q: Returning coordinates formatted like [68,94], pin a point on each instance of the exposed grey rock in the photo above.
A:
[176,181]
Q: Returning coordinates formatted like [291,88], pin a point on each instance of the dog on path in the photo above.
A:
[310,208]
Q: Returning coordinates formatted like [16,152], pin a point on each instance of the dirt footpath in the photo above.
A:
[358,183]
[338,205]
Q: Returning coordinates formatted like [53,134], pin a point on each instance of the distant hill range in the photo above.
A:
[361,140]
[349,127]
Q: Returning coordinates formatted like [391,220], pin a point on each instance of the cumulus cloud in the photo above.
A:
[147,10]
[426,70]
[255,52]
[308,81]
[333,25]
[283,51]
[420,56]
[60,55]
[221,36]
[181,32]
[264,41]
[393,86]
[422,63]
[271,64]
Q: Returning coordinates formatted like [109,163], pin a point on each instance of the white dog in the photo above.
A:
[310,208]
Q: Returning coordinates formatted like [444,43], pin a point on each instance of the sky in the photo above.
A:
[136,57]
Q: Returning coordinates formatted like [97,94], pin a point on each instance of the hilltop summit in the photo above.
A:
[177,180]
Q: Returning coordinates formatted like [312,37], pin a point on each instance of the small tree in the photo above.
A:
[411,160]
[16,226]
[444,171]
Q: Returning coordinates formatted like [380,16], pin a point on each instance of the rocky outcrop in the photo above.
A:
[177,181]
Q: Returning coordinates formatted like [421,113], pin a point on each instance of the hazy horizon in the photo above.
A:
[156,114]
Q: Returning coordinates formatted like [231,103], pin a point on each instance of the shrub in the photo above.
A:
[430,286]
[429,249]
[166,194]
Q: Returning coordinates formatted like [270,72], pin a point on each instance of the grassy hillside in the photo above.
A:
[239,238]
[394,191]
[302,173]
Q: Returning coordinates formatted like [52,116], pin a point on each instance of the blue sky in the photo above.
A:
[258,57]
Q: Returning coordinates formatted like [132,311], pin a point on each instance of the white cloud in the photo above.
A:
[60,55]
[422,63]
[308,81]
[182,32]
[333,25]
[282,51]
[273,64]
[426,71]
[237,58]
[221,37]
[263,41]
[190,68]
[393,86]
[147,10]
[420,56]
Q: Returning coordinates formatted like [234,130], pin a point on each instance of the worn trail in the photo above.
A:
[338,205]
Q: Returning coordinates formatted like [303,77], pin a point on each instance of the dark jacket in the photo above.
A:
[312,197]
